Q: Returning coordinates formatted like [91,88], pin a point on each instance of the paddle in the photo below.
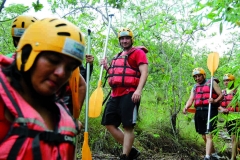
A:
[96,99]
[212,63]
[86,153]
[74,85]
[191,110]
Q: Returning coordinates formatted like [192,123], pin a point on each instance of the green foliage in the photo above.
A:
[171,30]
[14,9]
[7,15]
[116,3]
[218,10]
[37,6]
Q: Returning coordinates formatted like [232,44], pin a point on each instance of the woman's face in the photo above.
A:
[51,71]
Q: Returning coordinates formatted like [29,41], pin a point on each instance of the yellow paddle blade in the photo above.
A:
[212,62]
[95,102]
[74,85]
[86,153]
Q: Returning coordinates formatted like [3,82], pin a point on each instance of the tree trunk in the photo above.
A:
[174,123]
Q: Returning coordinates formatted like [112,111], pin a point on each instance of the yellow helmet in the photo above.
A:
[125,32]
[51,34]
[20,24]
[228,76]
[199,71]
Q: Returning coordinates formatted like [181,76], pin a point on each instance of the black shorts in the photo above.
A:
[200,119]
[120,110]
[233,127]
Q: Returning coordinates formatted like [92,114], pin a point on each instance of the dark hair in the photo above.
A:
[13,73]
[232,85]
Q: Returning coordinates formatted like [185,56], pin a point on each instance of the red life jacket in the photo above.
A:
[4,123]
[227,98]
[29,137]
[202,94]
[121,74]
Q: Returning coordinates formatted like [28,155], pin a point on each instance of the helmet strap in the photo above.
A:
[22,67]
[15,41]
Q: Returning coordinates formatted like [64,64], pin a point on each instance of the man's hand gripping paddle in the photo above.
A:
[96,99]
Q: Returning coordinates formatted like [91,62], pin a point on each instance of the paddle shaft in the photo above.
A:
[106,42]
[212,63]
[87,82]
[76,147]
[86,153]
[87,94]
[209,106]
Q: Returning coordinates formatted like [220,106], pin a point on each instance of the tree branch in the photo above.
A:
[2,5]
[15,16]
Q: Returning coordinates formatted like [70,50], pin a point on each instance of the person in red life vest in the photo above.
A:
[127,76]
[228,93]
[19,25]
[200,96]
[33,124]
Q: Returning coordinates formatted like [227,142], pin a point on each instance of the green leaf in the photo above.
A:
[189,31]
[221,28]
[211,15]
[156,135]
[37,6]
[217,20]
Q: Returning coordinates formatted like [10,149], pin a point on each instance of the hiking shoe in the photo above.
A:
[205,158]
[215,157]
[134,153]
[123,157]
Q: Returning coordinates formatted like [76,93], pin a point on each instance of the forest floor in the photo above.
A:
[163,147]
[168,155]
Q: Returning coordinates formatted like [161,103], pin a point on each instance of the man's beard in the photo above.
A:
[127,48]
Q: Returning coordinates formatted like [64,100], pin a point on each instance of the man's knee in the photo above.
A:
[110,127]
[129,129]
[209,136]
[204,137]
